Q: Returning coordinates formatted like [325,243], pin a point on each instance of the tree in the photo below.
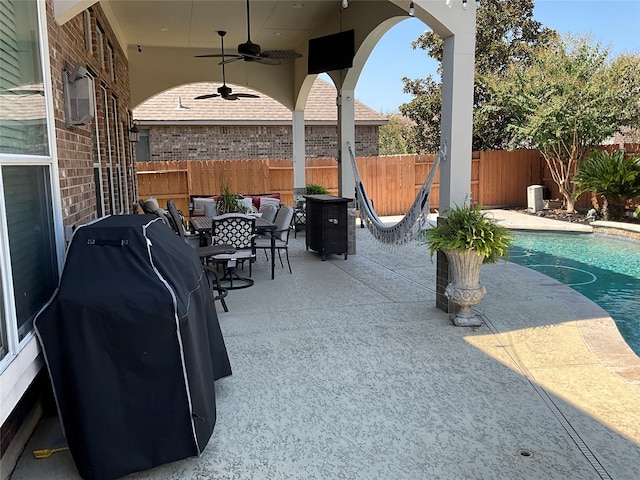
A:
[612,175]
[396,136]
[567,101]
[506,34]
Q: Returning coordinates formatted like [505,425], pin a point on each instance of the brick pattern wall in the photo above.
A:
[322,141]
[78,147]
[219,142]
[168,143]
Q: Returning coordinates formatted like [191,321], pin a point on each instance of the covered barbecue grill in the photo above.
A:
[132,343]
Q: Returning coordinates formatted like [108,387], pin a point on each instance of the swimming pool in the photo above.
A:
[603,269]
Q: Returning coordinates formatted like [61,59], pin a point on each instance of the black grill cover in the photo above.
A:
[132,343]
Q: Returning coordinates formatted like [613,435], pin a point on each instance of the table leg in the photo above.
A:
[273,256]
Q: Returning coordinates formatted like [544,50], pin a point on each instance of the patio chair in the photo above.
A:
[151,207]
[281,234]
[268,211]
[299,218]
[177,223]
[238,231]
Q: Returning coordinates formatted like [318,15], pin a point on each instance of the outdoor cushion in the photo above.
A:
[269,200]
[199,204]
[268,211]
[150,205]
[210,208]
[248,204]
[258,198]
[164,216]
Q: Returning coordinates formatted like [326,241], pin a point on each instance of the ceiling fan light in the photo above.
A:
[345,3]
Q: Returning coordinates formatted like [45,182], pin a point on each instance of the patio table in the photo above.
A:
[204,225]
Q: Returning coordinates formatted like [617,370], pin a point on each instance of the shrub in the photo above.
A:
[313,189]
[468,228]
[612,175]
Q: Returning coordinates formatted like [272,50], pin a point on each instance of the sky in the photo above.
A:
[613,23]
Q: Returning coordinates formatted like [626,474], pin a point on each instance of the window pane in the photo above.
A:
[23,125]
[143,152]
[31,240]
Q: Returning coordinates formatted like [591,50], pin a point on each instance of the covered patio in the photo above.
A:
[345,369]
[92,61]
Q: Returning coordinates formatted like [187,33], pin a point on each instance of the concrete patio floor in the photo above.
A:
[346,370]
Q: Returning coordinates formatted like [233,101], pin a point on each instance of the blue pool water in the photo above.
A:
[603,269]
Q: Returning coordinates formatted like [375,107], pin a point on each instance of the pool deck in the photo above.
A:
[346,370]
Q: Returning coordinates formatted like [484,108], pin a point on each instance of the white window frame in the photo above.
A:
[97,162]
[112,72]
[109,152]
[22,362]
[88,34]
[100,42]
[119,153]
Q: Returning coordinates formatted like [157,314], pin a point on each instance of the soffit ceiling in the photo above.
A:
[162,37]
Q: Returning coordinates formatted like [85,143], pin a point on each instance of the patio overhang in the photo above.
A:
[161,39]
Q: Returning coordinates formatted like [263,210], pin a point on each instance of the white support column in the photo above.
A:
[456,127]
[346,177]
[299,156]
[457,119]
[346,134]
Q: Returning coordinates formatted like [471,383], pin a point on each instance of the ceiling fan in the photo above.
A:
[250,52]
[224,91]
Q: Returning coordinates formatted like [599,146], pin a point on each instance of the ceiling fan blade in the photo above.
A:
[267,61]
[246,95]
[218,55]
[225,61]
[204,97]
[281,54]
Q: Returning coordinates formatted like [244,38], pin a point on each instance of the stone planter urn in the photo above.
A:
[465,289]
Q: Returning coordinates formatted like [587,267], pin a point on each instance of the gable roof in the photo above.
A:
[178,106]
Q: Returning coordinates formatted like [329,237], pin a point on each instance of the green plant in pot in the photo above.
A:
[229,203]
[469,239]
[315,189]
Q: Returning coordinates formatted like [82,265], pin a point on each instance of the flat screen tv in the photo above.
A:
[331,52]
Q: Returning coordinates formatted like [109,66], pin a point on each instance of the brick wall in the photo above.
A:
[78,146]
[322,141]
[168,143]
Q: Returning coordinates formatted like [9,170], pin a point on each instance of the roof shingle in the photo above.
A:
[178,106]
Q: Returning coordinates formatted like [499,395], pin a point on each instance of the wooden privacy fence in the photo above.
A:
[498,179]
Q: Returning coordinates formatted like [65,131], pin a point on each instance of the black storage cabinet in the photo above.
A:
[132,343]
[327,230]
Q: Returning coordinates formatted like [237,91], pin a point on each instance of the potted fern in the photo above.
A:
[469,239]
[229,203]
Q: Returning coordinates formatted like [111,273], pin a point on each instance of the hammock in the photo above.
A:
[410,225]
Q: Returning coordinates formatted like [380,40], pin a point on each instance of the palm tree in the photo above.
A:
[612,175]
